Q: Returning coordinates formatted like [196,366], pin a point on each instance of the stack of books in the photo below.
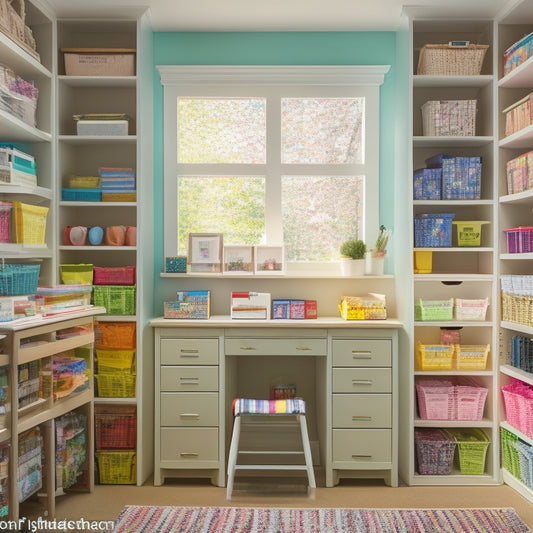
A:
[118,184]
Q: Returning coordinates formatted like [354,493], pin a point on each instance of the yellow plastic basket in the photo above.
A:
[434,356]
[115,361]
[116,385]
[471,357]
[30,223]
[117,468]
[84,182]
[76,274]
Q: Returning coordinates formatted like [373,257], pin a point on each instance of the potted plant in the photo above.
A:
[376,256]
[353,257]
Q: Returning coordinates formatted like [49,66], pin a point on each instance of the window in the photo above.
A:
[272,155]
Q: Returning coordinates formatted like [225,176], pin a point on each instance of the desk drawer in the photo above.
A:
[362,352]
[362,411]
[189,378]
[189,409]
[362,380]
[287,346]
[362,445]
[189,351]
[189,445]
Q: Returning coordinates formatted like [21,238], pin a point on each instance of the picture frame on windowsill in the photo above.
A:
[205,252]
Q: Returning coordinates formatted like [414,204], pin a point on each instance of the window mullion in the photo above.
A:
[273,226]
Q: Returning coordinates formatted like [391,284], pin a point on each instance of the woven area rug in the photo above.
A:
[166,519]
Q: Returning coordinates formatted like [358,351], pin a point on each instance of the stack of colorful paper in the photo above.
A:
[118,184]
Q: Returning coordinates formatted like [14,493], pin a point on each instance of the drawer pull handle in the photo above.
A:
[362,418]
[361,354]
[189,454]
[304,348]
[248,348]
[189,353]
[360,456]
[196,416]
[189,381]
[362,381]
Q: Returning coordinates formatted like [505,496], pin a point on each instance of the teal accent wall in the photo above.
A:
[287,48]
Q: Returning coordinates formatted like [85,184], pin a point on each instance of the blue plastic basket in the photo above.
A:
[461,178]
[81,195]
[427,184]
[18,279]
[433,230]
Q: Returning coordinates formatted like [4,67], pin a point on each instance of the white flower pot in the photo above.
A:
[352,267]
[375,262]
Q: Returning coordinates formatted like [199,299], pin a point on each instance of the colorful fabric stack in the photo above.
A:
[265,407]
[118,184]
[69,374]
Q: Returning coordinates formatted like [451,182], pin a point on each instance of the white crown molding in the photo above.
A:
[369,75]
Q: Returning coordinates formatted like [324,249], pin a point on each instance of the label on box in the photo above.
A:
[189,304]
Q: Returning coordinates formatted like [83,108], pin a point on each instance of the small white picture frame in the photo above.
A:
[205,252]
[269,260]
[238,259]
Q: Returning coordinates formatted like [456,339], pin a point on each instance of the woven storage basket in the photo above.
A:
[472,445]
[116,385]
[471,357]
[5,221]
[116,468]
[18,279]
[434,356]
[445,118]
[525,461]
[435,449]
[30,223]
[448,60]
[119,335]
[116,428]
[13,24]
[510,457]
[117,299]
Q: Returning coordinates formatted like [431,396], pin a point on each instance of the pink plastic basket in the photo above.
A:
[5,221]
[114,275]
[444,400]
[519,240]
[518,401]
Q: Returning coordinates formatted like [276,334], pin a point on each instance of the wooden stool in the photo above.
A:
[269,408]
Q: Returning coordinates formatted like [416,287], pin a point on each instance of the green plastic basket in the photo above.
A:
[510,458]
[117,299]
[472,445]
[434,309]
[76,273]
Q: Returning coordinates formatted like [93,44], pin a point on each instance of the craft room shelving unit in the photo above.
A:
[467,272]
[514,209]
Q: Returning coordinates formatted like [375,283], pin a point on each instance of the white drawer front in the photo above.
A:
[362,352]
[286,346]
[189,351]
[189,445]
[362,445]
[189,409]
[189,378]
[362,411]
[362,380]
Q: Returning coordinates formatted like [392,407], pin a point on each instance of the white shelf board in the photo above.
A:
[97,139]
[99,81]
[422,141]
[520,139]
[451,276]
[517,373]
[519,78]
[97,204]
[421,80]
[16,130]
[101,248]
[525,197]
[517,485]
[454,203]
[514,326]
[454,249]
[514,257]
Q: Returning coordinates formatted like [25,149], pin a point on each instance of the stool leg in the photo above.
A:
[307,452]
[233,453]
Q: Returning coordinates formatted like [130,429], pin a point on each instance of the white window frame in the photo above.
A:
[294,81]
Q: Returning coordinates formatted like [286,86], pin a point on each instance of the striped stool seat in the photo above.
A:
[243,407]
[247,406]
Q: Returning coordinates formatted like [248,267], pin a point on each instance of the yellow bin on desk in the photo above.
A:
[469,232]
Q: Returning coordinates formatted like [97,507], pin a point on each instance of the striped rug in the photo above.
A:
[166,519]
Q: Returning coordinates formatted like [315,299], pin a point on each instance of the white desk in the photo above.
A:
[345,370]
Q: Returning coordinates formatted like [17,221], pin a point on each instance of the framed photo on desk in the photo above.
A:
[205,252]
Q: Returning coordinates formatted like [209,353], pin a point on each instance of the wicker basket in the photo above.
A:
[116,428]
[13,24]
[510,457]
[449,60]
[30,223]
[119,335]
[445,118]
[435,449]
[472,445]
[116,468]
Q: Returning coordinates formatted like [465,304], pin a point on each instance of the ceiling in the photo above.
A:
[276,15]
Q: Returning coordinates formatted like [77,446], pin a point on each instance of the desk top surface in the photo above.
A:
[322,322]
